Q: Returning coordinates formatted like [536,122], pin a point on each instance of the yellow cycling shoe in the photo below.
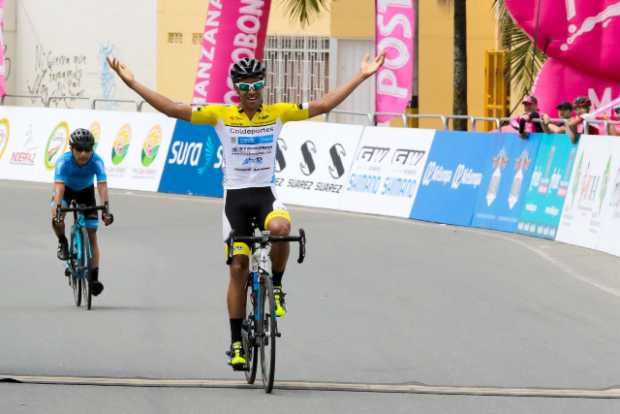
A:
[278,296]
[236,356]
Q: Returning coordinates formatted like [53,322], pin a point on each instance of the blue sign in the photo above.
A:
[453,175]
[507,174]
[548,187]
[194,162]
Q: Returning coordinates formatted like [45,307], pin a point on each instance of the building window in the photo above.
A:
[297,68]
[175,37]
[197,38]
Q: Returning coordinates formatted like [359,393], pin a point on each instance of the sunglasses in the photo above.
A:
[80,148]
[255,86]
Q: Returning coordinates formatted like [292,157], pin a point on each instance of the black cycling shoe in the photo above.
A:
[97,288]
[63,251]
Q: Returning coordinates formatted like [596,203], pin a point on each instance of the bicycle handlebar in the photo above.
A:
[265,239]
[81,208]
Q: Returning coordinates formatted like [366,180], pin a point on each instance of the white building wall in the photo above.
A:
[345,59]
[59,47]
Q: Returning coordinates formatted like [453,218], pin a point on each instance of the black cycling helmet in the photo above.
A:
[82,138]
[247,68]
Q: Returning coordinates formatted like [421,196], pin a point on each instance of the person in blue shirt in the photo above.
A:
[74,180]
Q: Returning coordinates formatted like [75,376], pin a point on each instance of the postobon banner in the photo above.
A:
[235,29]
[395,30]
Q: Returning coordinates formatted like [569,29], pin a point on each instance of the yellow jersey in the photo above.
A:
[249,145]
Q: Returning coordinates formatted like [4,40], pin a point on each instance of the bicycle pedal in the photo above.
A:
[278,334]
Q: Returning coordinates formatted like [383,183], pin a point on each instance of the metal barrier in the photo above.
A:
[370,118]
[31,97]
[66,98]
[115,101]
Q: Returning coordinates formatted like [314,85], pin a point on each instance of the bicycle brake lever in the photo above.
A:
[302,246]
[229,243]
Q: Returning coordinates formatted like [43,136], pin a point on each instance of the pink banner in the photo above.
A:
[235,29]
[395,34]
[2,47]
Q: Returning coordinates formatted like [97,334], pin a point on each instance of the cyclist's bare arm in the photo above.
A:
[59,192]
[102,188]
[332,99]
[155,99]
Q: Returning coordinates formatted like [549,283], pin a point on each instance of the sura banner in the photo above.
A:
[313,162]
[548,186]
[453,177]
[387,170]
[235,29]
[194,161]
[582,218]
[505,182]
[129,143]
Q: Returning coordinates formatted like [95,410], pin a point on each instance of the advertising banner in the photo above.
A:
[609,240]
[453,177]
[133,147]
[194,162]
[395,35]
[129,143]
[548,186]
[313,162]
[234,29]
[505,182]
[581,221]
[387,170]
[34,139]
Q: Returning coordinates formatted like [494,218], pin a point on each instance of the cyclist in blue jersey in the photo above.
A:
[74,180]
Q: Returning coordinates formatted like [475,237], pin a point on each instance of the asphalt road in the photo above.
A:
[379,301]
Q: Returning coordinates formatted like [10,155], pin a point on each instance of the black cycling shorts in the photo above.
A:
[85,197]
[247,205]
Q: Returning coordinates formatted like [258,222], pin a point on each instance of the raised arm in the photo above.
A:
[155,99]
[334,98]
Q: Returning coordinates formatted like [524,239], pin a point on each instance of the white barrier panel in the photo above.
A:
[587,199]
[314,161]
[132,145]
[387,170]
[610,234]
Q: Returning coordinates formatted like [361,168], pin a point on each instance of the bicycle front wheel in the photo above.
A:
[248,335]
[87,296]
[268,329]
[74,278]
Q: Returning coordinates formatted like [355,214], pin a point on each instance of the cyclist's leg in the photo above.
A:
[236,218]
[59,228]
[277,220]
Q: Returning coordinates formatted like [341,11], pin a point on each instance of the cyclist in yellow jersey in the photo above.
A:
[248,133]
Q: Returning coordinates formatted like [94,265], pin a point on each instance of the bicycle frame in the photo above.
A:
[259,261]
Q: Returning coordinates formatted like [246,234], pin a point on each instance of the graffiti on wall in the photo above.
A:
[57,75]
[108,79]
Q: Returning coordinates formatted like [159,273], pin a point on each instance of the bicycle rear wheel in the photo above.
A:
[87,296]
[268,329]
[248,335]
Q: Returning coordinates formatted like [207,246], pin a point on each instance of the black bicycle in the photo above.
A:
[259,328]
[79,262]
